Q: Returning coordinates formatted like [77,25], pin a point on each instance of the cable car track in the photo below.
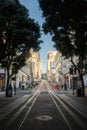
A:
[22,110]
[73,118]
[64,108]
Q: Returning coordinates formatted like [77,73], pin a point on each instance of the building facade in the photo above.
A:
[58,69]
[51,64]
[35,65]
[2,78]
[30,72]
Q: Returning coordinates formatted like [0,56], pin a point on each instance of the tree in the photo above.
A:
[18,34]
[66,20]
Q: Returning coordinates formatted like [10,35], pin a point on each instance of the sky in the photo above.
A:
[35,13]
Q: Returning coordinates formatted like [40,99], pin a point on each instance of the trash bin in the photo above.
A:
[79,92]
[10,91]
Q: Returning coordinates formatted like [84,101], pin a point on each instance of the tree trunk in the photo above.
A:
[82,84]
[15,86]
[81,76]
[80,71]
[7,85]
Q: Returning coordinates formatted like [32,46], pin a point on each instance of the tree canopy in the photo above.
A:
[66,21]
[18,34]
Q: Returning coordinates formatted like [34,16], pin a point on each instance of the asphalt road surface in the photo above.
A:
[44,109]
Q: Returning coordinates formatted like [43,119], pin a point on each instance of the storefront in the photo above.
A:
[85,82]
[2,81]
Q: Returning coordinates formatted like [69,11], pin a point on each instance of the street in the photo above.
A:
[43,109]
[43,64]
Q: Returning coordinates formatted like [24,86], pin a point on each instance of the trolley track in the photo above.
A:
[77,112]
[20,113]
[72,117]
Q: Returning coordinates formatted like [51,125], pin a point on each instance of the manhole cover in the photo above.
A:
[44,117]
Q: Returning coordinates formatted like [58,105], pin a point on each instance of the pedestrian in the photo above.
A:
[10,90]
[65,86]
[14,89]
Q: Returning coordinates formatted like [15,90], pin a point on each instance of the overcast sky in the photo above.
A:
[35,13]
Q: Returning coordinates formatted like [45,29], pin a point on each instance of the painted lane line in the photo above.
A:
[80,123]
[13,118]
[58,108]
[28,111]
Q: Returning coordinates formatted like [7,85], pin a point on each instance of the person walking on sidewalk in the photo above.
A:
[14,89]
[65,86]
[10,90]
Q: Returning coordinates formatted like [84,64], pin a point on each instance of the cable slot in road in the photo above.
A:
[15,116]
[80,123]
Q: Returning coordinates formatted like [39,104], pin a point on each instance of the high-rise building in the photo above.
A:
[36,66]
[51,65]
[30,72]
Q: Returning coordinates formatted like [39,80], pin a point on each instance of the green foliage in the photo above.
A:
[66,21]
[18,34]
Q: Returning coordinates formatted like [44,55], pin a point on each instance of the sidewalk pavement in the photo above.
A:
[80,99]
[7,100]
[69,93]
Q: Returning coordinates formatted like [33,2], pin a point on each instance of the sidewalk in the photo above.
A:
[69,93]
[80,99]
[7,100]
